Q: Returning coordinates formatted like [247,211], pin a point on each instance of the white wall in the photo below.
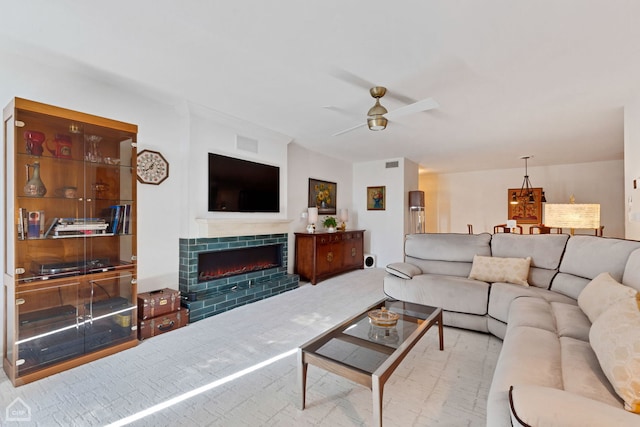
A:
[385,229]
[480,198]
[183,133]
[213,132]
[304,164]
[632,168]
[158,215]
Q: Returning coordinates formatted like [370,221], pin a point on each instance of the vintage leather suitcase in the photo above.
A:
[156,303]
[161,324]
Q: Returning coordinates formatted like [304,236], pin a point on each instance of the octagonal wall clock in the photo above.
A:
[152,167]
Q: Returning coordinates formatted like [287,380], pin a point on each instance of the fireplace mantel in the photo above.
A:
[215,227]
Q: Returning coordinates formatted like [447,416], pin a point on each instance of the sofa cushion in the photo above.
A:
[631,276]
[447,246]
[497,269]
[531,312]
[403,270]
[533,405]
[545,251]
[571,322]
[452,293]
[615,339]
[588,256]
[581,373]
[601,293]
[528,356]
[503,294]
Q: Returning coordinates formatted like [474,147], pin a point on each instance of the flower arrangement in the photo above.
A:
[323,194]
[330,222]
[377,197]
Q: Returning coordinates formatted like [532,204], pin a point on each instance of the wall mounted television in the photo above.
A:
[237,185]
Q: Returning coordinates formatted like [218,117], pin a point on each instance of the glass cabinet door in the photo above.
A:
[49,325]
[110,310]
[74,206]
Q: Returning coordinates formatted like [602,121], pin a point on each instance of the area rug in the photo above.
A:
[239,369]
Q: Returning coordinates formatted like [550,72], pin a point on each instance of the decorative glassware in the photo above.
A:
[34,186]
[33,142]
[93,155]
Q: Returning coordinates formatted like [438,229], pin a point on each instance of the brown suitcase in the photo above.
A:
[161,324]
[156,303]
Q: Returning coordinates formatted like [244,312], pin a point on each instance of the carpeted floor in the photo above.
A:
[239,369]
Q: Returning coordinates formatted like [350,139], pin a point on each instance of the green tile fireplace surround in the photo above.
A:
[232,285]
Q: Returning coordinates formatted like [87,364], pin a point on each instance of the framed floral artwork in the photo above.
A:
[525,212]
[322,194]
[376,198]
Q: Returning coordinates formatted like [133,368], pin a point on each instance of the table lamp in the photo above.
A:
[344,217]
[312,218]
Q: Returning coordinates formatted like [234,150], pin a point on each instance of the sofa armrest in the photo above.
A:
[533,405]
[403,270]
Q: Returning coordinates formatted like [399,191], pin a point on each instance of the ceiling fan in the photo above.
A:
[378,116]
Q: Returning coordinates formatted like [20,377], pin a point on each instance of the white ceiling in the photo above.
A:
[546,78]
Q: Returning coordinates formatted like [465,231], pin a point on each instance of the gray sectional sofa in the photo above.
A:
[548,371]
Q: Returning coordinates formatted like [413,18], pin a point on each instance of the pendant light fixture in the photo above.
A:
[526,191]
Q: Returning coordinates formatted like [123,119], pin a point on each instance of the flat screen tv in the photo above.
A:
[237,185]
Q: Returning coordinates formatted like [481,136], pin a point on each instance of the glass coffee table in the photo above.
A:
[364,352]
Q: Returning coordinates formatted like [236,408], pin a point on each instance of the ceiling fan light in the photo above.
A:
[377,123]
[377,109]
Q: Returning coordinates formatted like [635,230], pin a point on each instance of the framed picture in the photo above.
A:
[375,198]
[322,194]
[525,212]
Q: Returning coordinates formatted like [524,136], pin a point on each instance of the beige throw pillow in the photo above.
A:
[602,292]
[496,269]
[615,339]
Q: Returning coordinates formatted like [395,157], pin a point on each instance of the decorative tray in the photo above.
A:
[383,318]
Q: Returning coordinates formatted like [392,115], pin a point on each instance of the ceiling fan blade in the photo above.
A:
[350,129]
[349,77]
[424,105]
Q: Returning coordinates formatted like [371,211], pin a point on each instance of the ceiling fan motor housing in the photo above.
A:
[378,91]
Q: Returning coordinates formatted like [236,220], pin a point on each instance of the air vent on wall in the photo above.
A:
[246,144]
[390,165]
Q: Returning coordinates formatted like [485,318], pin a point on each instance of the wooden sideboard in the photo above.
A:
[322,255]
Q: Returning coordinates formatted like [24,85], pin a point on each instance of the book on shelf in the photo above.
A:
[35,225]
[22,223]
[118,217]
[76,227]
[47,233]
[59,234]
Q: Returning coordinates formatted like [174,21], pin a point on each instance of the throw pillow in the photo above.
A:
[601,293]
[615,339]
[497,269]
[403,270]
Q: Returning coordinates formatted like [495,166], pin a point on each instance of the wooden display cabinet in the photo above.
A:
[322,255]
[70,239]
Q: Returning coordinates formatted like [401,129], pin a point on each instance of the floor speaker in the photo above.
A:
[369,261]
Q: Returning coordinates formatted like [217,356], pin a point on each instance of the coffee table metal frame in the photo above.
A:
[414,313]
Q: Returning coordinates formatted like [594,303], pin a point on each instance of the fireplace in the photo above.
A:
[227,263]
[221,273]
